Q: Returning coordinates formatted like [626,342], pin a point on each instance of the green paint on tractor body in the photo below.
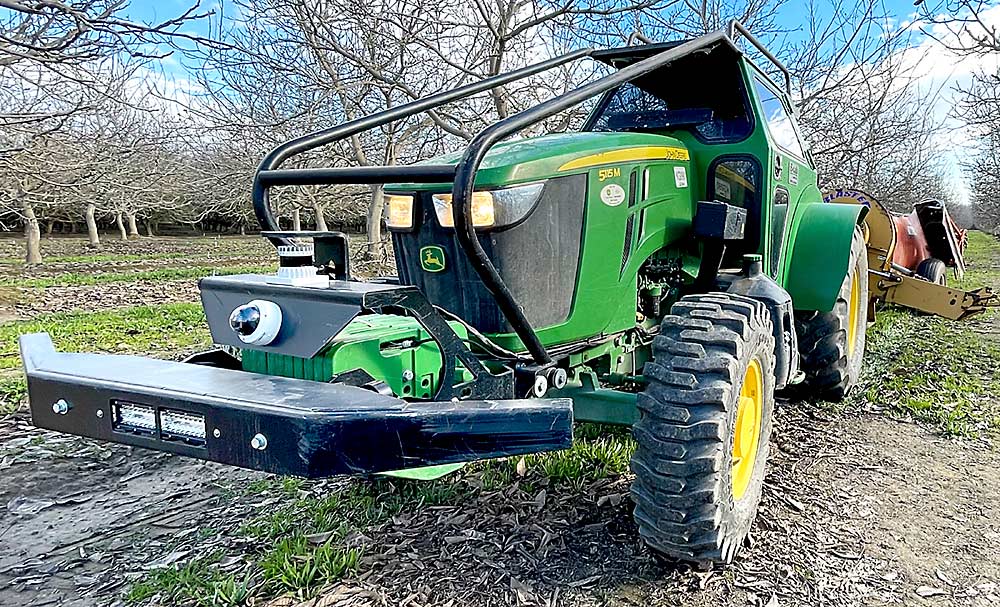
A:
[640,199]
[527,160]
[392,349]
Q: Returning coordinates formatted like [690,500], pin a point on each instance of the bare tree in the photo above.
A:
[309,64]
[962,27]
[60,62]
[984,172]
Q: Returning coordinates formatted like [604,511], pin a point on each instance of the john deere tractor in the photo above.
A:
[670,266]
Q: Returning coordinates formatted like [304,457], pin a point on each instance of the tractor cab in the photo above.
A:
[739,126]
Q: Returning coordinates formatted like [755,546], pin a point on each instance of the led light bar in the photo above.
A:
[182,424]
[130,417]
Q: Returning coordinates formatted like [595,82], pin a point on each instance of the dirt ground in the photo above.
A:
[858,510]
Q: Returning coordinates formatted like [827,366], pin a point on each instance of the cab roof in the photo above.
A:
[624,56]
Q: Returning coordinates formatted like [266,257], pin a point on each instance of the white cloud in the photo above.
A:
[937,67]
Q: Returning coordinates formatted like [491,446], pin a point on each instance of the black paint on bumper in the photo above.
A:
[312,429]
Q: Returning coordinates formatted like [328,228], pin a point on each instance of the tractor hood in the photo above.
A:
[548,156]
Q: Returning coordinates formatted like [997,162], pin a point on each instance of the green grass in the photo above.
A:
[935,370]
[982,257]
[84,278]
[76,250]
[599,451]
[359,505]
[296,565]
[104,257]
[982,247]
[13,390]
[232,256]
[198,582]
[166,328]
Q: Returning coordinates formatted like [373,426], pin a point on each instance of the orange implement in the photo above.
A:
[901,246]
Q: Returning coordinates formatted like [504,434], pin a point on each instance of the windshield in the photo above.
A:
[680,96]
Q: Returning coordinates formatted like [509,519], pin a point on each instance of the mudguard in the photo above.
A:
[820,249]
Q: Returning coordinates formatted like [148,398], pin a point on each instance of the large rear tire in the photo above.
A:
[934,270]
[832,344]
[704,428]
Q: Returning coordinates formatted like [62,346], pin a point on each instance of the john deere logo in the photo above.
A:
[432,259]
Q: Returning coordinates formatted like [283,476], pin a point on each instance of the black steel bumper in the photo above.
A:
[277,424]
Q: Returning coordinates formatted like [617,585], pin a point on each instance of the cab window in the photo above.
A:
[779,123]
[736,180]
[716,110]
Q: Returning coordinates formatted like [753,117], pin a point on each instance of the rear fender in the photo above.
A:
[820,251]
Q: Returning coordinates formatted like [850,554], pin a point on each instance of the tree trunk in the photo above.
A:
[149,229]
[320,220]
[95,239]
[133,229]
[120,225]
[50,227]
[375,205]
[297,220]
[32,234]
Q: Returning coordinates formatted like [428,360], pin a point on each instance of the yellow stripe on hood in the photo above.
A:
[649,152]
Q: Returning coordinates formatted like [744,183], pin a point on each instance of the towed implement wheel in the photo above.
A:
[934,270]
[704,428]
[832,344]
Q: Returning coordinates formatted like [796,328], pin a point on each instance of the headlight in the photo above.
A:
[190,426]
[498,208]
[483,214]
[399,213]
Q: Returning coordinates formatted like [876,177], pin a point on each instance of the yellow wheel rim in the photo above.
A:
[746,435]
[852,314]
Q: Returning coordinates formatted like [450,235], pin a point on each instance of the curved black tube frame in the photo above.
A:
[463,174]
[267,175]
[735,27]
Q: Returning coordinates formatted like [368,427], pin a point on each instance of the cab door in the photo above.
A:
[789,174]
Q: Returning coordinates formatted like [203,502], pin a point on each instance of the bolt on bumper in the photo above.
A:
[275,424]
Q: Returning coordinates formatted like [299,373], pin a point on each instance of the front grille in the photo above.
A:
[539,255]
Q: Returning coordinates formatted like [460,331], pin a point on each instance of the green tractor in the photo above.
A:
[671,266]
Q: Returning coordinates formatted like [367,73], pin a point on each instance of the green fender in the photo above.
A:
[820,250]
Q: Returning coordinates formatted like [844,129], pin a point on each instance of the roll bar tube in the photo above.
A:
[735,27]
[266,176]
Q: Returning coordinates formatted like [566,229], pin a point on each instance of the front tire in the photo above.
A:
[704,429]
[832,344]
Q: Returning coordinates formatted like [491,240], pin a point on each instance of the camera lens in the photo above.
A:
[245,319]
[256,323]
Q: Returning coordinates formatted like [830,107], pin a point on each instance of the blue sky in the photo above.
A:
[791,15]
